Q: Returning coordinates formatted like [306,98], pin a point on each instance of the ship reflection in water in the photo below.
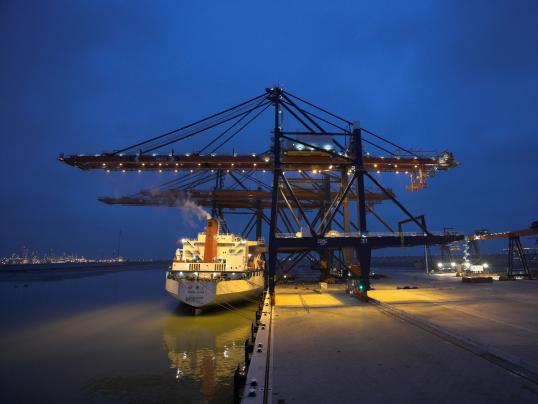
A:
[116,337]
[206,348]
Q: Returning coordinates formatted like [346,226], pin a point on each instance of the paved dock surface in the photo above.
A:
[331,348]
[502,315]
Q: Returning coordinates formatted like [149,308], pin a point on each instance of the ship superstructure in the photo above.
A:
[215,268]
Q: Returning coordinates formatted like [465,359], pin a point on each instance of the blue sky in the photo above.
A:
[88,76]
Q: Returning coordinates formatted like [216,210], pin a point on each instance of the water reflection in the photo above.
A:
[114,338]
[209,347]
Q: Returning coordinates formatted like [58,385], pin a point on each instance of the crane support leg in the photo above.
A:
[515,247]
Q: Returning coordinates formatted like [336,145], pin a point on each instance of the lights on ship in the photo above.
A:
[104,164]
[266,159]
[439,265]
[453,264]
[330,167]
[375,165]
[160,164]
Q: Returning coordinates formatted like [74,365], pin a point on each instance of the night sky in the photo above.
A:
[90,76]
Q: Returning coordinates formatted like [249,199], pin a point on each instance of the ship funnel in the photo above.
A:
[211,232]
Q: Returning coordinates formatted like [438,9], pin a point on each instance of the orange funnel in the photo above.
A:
[211,232]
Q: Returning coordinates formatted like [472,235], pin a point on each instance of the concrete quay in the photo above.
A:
[499,316]
[330,348]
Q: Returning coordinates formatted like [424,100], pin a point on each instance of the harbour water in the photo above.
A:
[112,335]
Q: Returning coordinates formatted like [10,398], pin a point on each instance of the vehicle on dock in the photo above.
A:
[476,268]
[443,266]
[216,269]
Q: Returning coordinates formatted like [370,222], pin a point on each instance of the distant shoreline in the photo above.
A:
[77,265]
[27,274]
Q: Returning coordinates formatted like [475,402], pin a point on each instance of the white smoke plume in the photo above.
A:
[188,208]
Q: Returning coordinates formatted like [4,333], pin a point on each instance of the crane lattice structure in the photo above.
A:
[230,194]
[317,199]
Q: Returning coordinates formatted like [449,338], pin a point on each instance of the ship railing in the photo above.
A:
[211,275]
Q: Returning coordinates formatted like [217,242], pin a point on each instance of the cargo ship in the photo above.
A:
[216,269]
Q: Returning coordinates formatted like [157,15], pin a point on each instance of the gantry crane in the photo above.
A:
[334,156]
[515,248]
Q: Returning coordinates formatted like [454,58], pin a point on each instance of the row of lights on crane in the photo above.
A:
[263,171]
[253,165]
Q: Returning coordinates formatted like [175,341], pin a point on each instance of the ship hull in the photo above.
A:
[200,294]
